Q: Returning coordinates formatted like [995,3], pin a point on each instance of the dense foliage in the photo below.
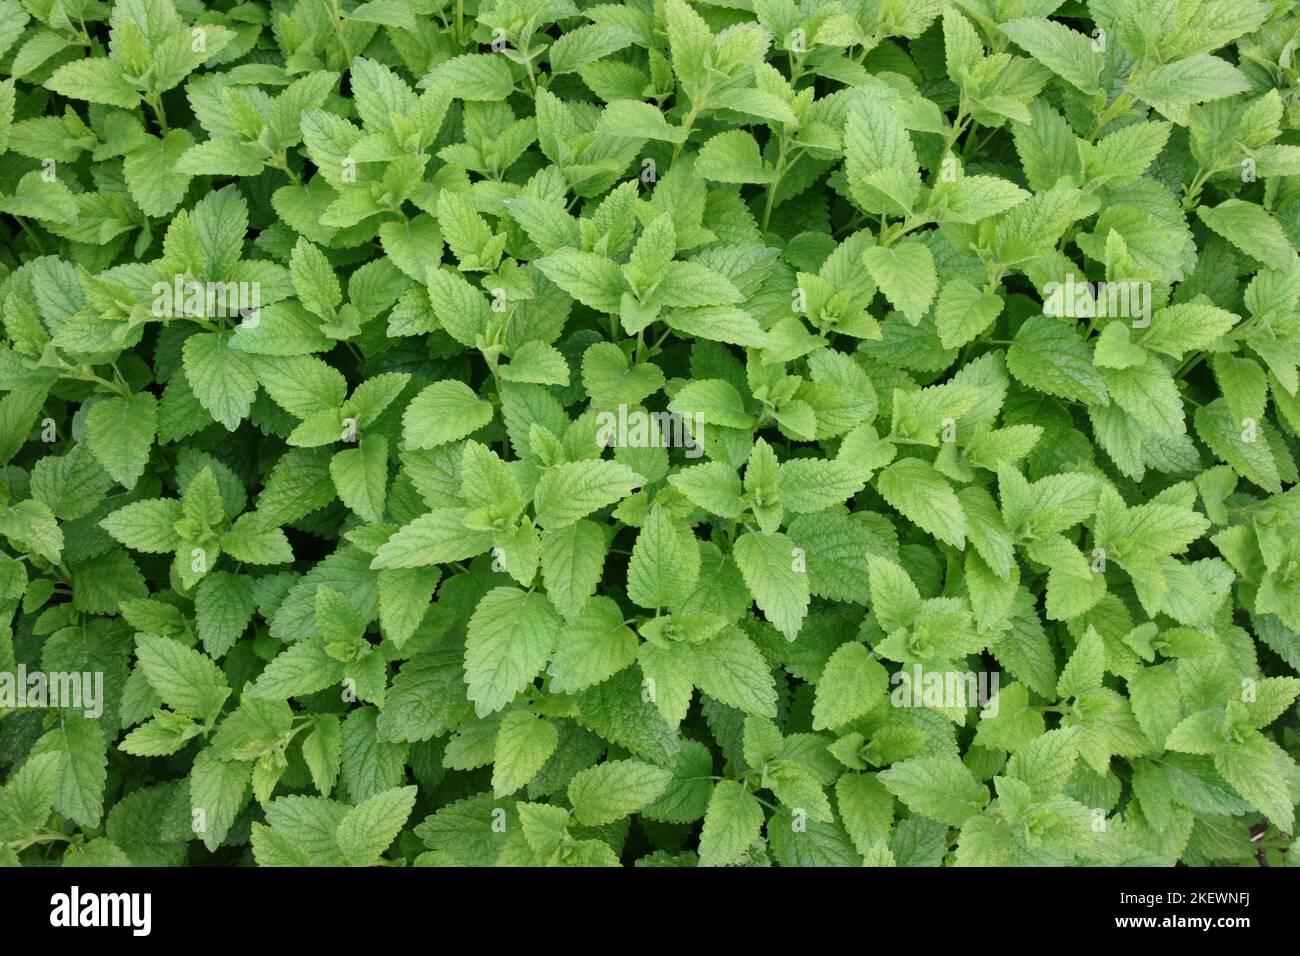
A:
[536,432]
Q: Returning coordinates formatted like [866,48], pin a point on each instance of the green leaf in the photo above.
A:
[963,312]
[223,607]
[218,791]
[250,540]
[577,419]
[524,743]
[1048,355]
[435,538]
[1046,763]
[537,363]
[614,789]
[322,752]
[587,44]
[731,669]
[880,162]
[223,380]
[852,685]
[925,497]
[732,157]
[81,768]
[146,525]
[665,563]
[120,433]
[510,638]
[301,669]
[733,821]
[572,559]
[444,412]
[937,787]
[1250,229]
[473,76]
[1259,770]
[595,281]
[1199,78]
[152,176]
[184,679]
[768,561]
[373,824]
[569,492]
[596,645]
[361,477]
[1068,54]
[972,198]
[96,80]
[906,275]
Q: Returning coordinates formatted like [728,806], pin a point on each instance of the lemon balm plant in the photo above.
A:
[534,432]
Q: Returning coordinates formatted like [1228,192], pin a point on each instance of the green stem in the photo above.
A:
[1092,327]
[1116,109]
[796,67]
[160,114]
[688,123]
[770,200]
[31,234]
[19,845]
[1193,192]
[336,19]
[1196,358]
[1190,363]
[83,373]
[532,78]
[281,162]
[958,126]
